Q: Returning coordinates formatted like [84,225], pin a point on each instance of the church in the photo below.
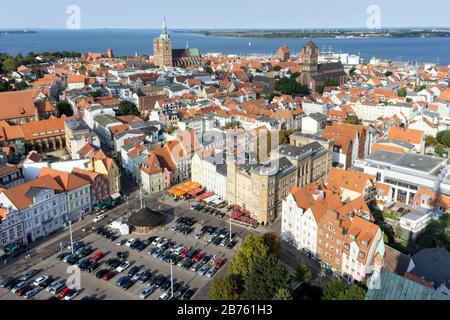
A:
[314,74]
[165,56]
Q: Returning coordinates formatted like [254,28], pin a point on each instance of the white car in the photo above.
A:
[99,218]
[130,242]
[123,266]
[156,241]
[40,280]
[71,295]
[179,250]
[162,242]
[164,296]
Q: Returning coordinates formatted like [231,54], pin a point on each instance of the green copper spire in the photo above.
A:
[164,35]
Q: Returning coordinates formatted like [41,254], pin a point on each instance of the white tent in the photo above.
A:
[122,227]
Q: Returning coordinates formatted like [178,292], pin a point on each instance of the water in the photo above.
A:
[128,42]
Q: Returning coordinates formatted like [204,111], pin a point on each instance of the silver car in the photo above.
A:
[19,286]
[32,293]
[203,270]
[147,292]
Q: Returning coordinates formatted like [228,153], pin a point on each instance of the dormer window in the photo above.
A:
[362,255]
[346,247]
[364,243]
[352,237]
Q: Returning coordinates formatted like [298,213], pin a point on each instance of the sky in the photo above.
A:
[207,14]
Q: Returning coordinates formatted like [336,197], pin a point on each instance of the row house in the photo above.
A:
[11,176]
[98,184]
[11,227]
[316,220]
[211,172]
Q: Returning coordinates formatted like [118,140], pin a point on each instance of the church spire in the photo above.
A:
[164,33]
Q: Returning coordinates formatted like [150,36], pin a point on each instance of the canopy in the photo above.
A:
[177,192]
[218,201]
[115,195]
[195,192]
[205,196]
[212,199]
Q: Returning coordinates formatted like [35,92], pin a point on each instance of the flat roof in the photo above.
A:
[411,161]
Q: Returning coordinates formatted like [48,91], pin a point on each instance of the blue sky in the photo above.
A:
[223,14]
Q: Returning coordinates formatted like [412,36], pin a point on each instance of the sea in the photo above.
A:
[139,41]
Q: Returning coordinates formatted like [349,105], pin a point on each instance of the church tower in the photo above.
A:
[162,48]
[310,58]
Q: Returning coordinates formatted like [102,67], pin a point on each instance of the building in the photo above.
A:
[413,223]
[321,221]
[211,172]
[145,220]
[10,176]
[260,188]
[414,137]
[98,184]
[77,191]
[11,228]
[152,175]
[41,202]
[283,54]
[407,172]
[165,56]
[77,135]
[314,74]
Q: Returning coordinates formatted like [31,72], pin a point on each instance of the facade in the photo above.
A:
[407,172]
[98,184]
[41,202]
[211,172]
[77,135]
[152,175]
[77,191]
[162,49]
[314,74]
[11,176]
[260,188]
[11,227]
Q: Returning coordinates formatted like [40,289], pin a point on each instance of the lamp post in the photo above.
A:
[171,277]
[71,237]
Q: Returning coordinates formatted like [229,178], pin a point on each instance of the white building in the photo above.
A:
[11,227]
[211,173]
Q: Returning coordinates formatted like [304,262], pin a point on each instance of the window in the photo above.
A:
[346,246]
[362,255]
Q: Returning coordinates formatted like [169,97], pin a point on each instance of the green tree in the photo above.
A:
[284,136]
[352,120]
[253,248]
[127,108]
[266,278]
[97,93]
[352,71]
[291,86]
[333,290]
[228,288]
[64,107]
[21,85]
[9,65]
[436,234]
[208,69]
[337,290]
[302,273]
[282,294]
[440,150]
[388,73]
[402,92]
[444,137]
[273,242]
[430,140]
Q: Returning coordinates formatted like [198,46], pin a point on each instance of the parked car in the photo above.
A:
[123,266]
[211,272]
[203,270]
[20,285]
[72,295]
[133,271]
[122,255]
[145,276]
[57,287]
[189,294]
[164,296]
[31,293]
[147,292]
[97,257]
[122,280]
[130,242]
[92,267]
[61,256]
[138,274]
[9,282]
[198,257]
[40,280]
[99,218]
[156,241]
[162,242]
[63,293]
[109,275]
[157,252]
[27,276]
[21,292]
[101,273]
[128,284]
[121,242]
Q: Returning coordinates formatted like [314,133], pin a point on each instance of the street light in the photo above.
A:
[71,237]
[171,277]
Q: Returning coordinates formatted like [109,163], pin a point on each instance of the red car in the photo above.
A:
[185,252]
[109,275]
[219,264]
[64,293]
[198,257]
[24,290]
[97,257]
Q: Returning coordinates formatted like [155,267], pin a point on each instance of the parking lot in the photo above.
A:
[92,286]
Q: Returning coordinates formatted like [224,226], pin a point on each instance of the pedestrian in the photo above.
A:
[4,262]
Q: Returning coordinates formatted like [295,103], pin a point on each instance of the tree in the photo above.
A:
[402,92]
[440,150]
[352,71]
[302,273]
[430,140]
[9,65]
[273,241]
[436,234]
[388,73]
[228,288]
[337,290]
[266,279]
[284,135]
[64,107]
[97,93]
[444,137]
[21,85]
[352,120]
[208,69]
[244,260]
[282,294]
[291,86]
[127,108]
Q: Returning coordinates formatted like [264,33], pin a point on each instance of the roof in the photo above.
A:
[18,104]
[395,287]
[348,179]
[406,135]
[407,160]
[395,261]
[433,265]
[66,180]
[145,218]
[20,195]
